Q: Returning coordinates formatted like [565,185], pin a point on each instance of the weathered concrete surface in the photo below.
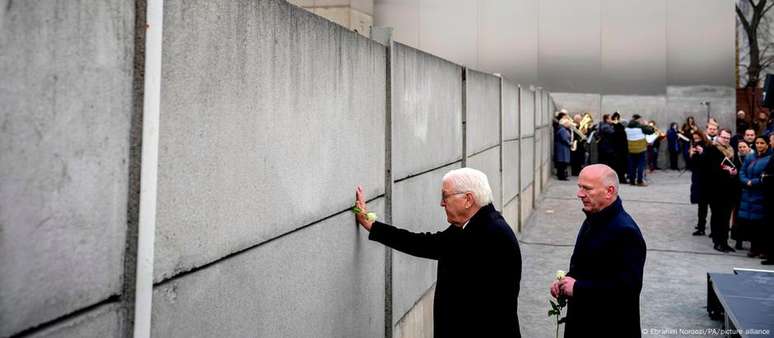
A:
[527,112]
[416,207]
[326,280]
[527,155]
[426,112]
[266,108]
[104,321]
[510,170]
[674,288]
[510,99]
[489,163]
[418,322]
[66,98]
[482,112]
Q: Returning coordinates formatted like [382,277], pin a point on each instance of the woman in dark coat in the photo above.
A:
[768,201]
[673,142]
[751,209]
[562,141]
[698,178]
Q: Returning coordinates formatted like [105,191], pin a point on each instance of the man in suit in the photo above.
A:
[479,261]
[605,278]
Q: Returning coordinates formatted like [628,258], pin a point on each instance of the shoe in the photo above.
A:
[752,254]
[642,184]
[698,233]
[768,262]
[728,248]
[718,247]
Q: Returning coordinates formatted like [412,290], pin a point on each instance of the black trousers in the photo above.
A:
[719,221]
[561,170]
[673,160]
[703,208]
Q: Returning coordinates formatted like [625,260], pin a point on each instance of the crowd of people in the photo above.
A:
[732,174]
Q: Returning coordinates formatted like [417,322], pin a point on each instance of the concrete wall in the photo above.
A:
[270,116]
[66,97]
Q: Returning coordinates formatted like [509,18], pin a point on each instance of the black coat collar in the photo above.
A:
[605,215]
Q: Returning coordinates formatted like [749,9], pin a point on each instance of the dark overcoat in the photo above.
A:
[562,141]
[479,271]
[751,204]
[607,263]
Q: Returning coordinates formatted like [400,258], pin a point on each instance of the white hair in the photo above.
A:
[471,180]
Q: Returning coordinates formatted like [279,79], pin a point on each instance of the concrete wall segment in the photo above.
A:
[66,93]
[260,101]
[325,280]
[510,99]
[482,111]
[510,170]
[426,112]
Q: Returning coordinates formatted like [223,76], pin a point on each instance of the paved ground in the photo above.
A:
[674,291]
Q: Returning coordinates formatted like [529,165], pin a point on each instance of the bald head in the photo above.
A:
[597,187]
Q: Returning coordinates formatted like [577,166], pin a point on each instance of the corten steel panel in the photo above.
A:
[416,207]
[634,46]
[508,38]
[482,112]
[66,103]
[701,42]
[510,170]
[326,280]
[527,112]
[569,57]
[510,110]
[270,116]
[402,16]
[527,155]
[426,112]
[489,163]
[450,30]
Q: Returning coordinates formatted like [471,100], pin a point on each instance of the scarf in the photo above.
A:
[726,150]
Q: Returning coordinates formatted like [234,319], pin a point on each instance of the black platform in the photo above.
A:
[744,300]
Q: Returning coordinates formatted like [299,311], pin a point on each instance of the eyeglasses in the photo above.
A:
[444,197]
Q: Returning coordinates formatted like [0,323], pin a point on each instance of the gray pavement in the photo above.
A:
[674,293]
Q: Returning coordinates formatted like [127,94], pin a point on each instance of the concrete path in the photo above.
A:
[674,294]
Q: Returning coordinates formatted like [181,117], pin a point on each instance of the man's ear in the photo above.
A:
[611,191]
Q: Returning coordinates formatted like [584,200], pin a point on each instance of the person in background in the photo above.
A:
[673,145]
[562,144]
[621,147]
[637,147]
[723,187]
[742,150]
[578,148]
[749,222]
[653,147]
[698,179]
[741,122]
[767,233]
[687,130]
[712,131]
[605,147]
[761,123]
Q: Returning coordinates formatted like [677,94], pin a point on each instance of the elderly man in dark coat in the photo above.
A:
[479,261]
[605,278]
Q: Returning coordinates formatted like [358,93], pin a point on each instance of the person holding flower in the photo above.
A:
[479,260]
[603,284]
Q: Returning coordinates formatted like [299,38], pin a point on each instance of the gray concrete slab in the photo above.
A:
[66,97]
[510,170]
[510,110]
[416,207]
[482,113]
[104,321]
[674,287]
[489,163]
[527,154]
[527,112]
[326,280]
[426,112]
[248,131]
